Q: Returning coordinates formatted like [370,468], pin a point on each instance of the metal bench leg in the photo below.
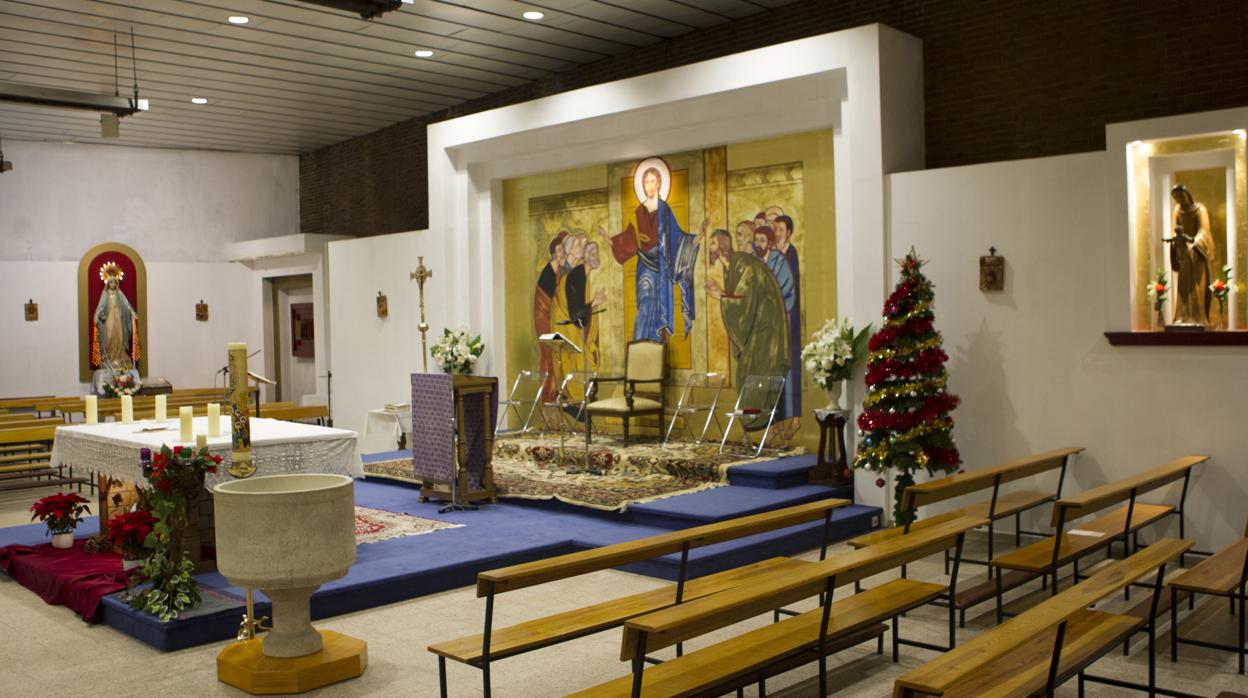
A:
[1000,603]
[1018,529]
[896,642]
[1242,629]
[991,530]
[1174,624]
[442,676]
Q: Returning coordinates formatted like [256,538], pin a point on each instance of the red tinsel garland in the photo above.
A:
[926,361]
[933,408]
[888,336]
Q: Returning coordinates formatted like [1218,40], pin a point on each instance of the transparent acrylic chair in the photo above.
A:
[569,402]
[757,401]
[692,403]
[525,396]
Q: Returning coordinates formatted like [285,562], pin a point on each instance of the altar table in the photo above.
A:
[277,447]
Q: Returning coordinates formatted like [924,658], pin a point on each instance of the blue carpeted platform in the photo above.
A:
[497,535]
[779,473]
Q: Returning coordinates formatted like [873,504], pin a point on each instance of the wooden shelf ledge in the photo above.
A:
[1208,338]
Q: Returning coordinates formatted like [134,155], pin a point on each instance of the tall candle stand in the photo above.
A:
[420,276]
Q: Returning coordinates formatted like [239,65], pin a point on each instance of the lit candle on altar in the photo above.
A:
[161,404]
[186,433]
[201,441]
[214,419]
[92,404]
[127,409]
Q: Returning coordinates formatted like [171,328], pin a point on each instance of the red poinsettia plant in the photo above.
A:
[129,531]
[181,469]
[62,512]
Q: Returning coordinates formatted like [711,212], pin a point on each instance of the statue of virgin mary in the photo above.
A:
[114,341]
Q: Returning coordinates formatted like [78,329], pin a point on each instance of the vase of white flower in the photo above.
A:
[831,354]
[457,351]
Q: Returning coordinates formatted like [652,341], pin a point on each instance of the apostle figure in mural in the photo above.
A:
[1191,256]
[573,306]
[115,334]
[753,310]
[665,254]
[543,297]
[783,262]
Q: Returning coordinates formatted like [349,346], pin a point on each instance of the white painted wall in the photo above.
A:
[375,357]
[179,209]
[1031,364]
[298,372]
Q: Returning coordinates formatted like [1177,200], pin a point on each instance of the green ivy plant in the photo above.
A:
[176,478]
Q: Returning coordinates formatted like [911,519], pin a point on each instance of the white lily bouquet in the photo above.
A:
[833,351]
[458,351]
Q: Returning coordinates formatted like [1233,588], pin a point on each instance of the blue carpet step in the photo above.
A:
[720,503]
[779,473]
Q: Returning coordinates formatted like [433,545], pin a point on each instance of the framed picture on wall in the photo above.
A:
[301,331]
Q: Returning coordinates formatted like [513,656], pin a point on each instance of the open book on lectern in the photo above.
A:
[558,343]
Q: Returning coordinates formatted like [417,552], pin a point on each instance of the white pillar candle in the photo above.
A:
[127,409]
[201,441]
[214,419]
[93,409]
[186,434]
[161,404]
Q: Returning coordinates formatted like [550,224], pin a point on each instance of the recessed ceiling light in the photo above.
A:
[424,53]
[239,19]
[199,100]
[533,15]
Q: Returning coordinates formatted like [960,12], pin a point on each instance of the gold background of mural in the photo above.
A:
[723,185]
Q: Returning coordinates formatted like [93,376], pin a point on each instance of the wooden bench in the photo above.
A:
[1223,574]
[754,655]
[494,644]
[293,413]
[32,473]
[1034,652]
[999,506]
[21,403]
[1044,558]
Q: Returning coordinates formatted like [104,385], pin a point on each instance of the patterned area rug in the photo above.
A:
[376,525]
[529,467]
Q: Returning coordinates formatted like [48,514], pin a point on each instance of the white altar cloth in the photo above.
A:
[394,422]
[277,447]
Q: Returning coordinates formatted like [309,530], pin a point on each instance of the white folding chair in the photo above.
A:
[526,392]
[757,401]
[569,402]
[688,407]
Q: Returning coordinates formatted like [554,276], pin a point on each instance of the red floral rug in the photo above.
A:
[376,525]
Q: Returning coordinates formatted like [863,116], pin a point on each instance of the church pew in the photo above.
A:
[1225,573]
[999,506]
[498,643]
[1046,557]
[29,423]
[32,474]
[1047,644]
[21,403]
[294,412]
[753,656]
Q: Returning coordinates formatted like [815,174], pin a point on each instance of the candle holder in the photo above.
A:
[420,276]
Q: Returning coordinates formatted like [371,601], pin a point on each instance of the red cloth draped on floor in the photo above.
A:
[66,577]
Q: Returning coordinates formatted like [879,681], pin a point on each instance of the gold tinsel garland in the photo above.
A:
[921,308]
[877,453]
[929,343]
[903,390]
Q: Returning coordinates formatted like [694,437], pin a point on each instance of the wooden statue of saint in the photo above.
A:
[1191,256]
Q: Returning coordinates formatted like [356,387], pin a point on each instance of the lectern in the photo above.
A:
[453,437]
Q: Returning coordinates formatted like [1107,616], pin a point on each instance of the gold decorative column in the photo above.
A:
[240,413]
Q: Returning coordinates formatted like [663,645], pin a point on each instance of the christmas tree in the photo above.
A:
[905,423]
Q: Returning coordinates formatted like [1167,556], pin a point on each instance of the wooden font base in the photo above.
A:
[243,665]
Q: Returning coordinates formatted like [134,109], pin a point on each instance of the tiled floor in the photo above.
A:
[41,644]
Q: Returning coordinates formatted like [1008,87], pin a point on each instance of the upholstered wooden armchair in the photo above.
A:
[645,365]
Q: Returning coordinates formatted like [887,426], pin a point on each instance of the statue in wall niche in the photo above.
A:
[1191,257]
[115,339]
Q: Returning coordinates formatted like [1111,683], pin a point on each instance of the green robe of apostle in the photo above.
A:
[755,318]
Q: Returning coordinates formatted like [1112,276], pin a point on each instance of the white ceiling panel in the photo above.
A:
[300,76]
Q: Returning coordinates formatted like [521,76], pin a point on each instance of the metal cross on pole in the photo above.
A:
[420,276]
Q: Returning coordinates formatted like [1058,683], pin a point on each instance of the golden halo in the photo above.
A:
[665,175]
[110,270]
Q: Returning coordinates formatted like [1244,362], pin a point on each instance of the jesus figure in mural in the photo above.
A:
[665,255]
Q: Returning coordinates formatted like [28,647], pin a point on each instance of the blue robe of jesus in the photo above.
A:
[665,258]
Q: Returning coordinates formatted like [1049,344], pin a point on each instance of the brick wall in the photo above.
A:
[1004,79]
